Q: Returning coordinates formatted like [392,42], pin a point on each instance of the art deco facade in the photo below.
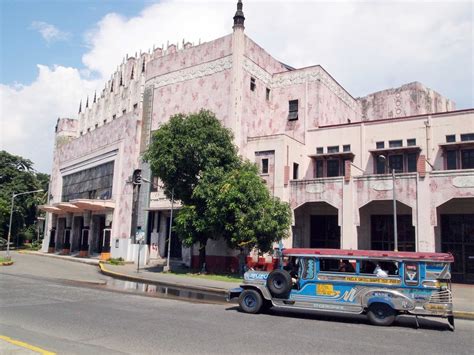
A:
[325,152]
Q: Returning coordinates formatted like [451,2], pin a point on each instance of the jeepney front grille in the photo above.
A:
[444,296]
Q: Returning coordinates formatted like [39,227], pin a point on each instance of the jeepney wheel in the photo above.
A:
[250,301]
[381,314]
[279,283]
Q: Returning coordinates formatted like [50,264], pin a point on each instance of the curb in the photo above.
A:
[463,315]
[54,256]
[117,275]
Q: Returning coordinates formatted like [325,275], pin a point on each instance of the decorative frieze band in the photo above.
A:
[197,71]
[299,77]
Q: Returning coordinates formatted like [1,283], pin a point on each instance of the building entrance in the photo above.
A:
[457,238]
[176,245]
[325,232]
[382,233]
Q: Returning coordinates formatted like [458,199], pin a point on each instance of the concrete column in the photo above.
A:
[427,220]
[52,234]
[85,231]
[348,227]
[67,234]
[106,236]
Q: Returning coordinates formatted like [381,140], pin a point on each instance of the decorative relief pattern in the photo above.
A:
[299,77]
[463,181]
[197,71]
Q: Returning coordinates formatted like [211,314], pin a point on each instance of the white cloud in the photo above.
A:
[29,113]
[50,33]
[366,46]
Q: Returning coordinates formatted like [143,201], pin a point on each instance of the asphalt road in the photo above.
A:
[70,318]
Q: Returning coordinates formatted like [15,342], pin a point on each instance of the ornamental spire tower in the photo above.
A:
[239,17]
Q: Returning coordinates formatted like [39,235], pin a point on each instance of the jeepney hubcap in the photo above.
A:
[250,301]
[277,283]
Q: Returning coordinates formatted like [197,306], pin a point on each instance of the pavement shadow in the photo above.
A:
[404,321]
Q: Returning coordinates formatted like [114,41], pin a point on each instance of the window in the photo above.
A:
[411,142]
[320,150]
[467,159]
[82,133]
[124,112]
[380,165]
[96,125]
[369,266]
[450,138]
[319,168]
[395,144]
[295,171]
[293,110]
[467,137]
[380,145]
[89,129]
[337,265]
[346,148]
[411,162]
[252,84]
[105,121]
[114,117]
[333,149]
[333,167]
[451,160]
[264,166]
[135,106]
[396,162]
[267,94]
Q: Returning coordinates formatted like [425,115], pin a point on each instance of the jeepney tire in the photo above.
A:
[381,314]
[279,283]
[250,301]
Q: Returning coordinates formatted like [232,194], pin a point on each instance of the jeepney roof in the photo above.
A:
[372,254]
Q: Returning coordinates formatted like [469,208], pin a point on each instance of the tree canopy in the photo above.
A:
[18,175]
[222,195]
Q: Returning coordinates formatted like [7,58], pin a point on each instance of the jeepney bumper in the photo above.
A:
[440,304]
[233,293]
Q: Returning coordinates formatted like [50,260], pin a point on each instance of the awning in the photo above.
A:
[394,150]
[338,155]
[67,207]
[50,209]
[456,145]
[93,205]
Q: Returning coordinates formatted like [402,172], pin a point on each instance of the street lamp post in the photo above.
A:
[394,199]
[167,267]
[11,217]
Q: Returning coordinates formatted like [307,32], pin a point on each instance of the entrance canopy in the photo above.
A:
[78,206]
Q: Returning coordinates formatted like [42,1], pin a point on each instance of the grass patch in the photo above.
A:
[116,261]
[216,277]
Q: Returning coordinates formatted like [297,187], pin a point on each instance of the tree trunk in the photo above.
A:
[202,257]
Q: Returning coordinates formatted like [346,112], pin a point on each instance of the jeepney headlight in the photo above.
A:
[444,288]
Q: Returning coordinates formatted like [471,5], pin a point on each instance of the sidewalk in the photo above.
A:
[463,295]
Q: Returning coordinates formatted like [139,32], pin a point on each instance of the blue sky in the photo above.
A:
[56,53]
[23,47]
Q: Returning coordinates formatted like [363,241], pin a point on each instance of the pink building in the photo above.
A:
[328,154]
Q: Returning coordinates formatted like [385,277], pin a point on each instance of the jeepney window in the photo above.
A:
[370,267]
[308,268]
[336,265]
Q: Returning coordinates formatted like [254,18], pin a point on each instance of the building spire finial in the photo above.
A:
[239,17]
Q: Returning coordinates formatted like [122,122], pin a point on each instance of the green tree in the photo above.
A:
[18,175]
[186,146]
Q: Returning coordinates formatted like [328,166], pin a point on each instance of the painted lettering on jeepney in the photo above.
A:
[372,280]
[326,290]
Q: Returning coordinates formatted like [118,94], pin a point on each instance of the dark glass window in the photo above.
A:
[319,168]
[267,94]
[451,163]
[252,84]
[396,162]
[380,145]
[467,159]
[333,167]
[380,166]
[319,150]
[92,183]
[467,137]
[264,166]
[395,144]
[411,162]
[451,138]
[293,110]
[346,148]
[411,142]
[333,149]
[295,171]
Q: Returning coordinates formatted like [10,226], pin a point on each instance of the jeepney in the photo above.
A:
[381,284]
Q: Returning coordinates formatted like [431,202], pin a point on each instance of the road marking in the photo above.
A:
[26,345]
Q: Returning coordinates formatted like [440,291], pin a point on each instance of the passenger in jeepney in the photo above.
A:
[379,271]
[345,266]
[292,268]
